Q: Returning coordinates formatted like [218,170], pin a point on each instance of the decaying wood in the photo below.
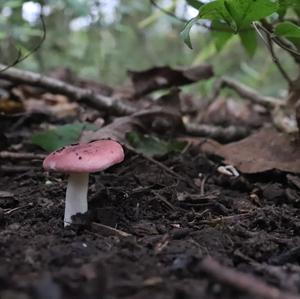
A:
[242,282]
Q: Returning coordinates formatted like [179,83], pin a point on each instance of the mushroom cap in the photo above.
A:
[84,158]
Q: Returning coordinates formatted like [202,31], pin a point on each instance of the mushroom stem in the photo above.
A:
[76,196]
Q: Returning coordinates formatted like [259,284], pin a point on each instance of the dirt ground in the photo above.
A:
[166,225]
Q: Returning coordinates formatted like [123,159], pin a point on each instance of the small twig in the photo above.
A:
[183,20]
[281,43]
[225,218]
[108,230]
[21,156]
[19,57]
[8,212]
[269,44]
[242,282]
[164,200]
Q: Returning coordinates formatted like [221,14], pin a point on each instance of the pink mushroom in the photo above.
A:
[79,160]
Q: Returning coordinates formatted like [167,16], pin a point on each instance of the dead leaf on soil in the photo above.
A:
[145,120]
[265,150]
[163,77]
[58,105]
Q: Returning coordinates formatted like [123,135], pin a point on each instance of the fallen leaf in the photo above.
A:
[146,120]
[10,106]
[262,151]
[57,105]
[162,77]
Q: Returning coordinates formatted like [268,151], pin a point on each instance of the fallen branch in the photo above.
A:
[121,107]
[226,134]
[245,92]
[242,282]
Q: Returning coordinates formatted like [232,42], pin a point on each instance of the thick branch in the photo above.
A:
[75,93]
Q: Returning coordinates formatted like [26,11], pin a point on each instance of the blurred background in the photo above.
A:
[102,39]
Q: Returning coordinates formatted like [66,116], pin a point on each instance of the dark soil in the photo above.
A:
[251,224]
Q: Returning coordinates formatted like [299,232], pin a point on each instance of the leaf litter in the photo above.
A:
[155,218]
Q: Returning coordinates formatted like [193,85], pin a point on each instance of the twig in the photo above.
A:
[183,20]
[19,57]
[269,44]
[75,93]
[241,281]
[164,200]
[227,134]
[10,211]
[281,43]
[21,156]
[246,92]
[108,230]
[225,218]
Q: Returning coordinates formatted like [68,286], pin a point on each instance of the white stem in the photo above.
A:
[76,195]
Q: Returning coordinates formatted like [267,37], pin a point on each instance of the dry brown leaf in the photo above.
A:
[265,150]
[58,105]
[146,120]
[163,77]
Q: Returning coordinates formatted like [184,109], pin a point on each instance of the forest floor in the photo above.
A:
[149,231]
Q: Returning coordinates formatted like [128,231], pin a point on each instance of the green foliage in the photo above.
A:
[249,41]
[153,146]
[195,3]
[220,33]
[185,33]
[51,140]
[243,12]
[288,30]
[231,17]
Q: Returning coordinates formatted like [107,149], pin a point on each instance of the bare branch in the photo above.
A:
[75,93]
[19,56]
[245,92]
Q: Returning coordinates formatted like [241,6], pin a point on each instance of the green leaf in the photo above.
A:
[215,10]
[243,12]
[284,4]
[60,136]
[288,30]
[221,34]
[249,41]
[194,3]
[185,33]
[153,146]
